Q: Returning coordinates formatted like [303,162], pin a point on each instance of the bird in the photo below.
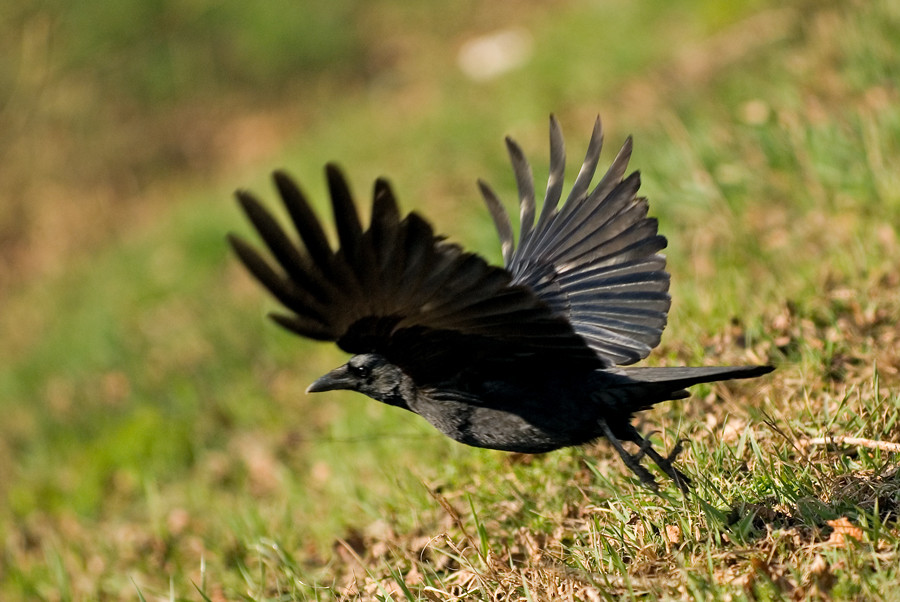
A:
[530,357]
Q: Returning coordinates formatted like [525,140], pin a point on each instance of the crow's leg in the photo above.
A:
[644,446]
[665,464]
[633,462]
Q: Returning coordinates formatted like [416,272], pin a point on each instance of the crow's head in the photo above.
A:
[370,374]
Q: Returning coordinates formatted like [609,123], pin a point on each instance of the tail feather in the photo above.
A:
[646,387]
[687,376]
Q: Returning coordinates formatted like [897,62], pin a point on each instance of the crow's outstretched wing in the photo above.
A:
[594,260]
[396,288]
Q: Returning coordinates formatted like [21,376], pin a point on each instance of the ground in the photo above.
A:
[156,441]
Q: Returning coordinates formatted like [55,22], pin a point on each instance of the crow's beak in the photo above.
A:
[339,378]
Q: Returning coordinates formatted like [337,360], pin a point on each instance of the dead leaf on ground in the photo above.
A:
[843,529]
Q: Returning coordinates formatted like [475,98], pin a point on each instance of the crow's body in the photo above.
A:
[523,410]
[524,359]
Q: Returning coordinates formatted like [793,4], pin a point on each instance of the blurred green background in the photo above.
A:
[154,420]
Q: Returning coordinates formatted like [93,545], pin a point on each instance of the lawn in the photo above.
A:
[156,442]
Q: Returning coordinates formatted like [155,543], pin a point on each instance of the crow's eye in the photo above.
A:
[358,371]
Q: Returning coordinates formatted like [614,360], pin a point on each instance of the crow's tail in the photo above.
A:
[685,377]
[635,389]
[671,383]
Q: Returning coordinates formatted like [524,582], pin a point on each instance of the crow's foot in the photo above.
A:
[632,461]
[665,464]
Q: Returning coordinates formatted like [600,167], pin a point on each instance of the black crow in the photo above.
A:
[524,358]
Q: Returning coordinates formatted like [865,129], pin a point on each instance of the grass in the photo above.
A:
[156,442]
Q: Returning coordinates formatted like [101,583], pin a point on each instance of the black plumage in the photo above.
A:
[525,358]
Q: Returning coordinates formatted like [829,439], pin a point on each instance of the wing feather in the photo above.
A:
[589,166]
[594,260]
[345,217]
[305,221]
[501,221]
[262,271]
[557,173]
[525,184]
[397,288]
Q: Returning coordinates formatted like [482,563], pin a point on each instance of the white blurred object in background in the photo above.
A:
[489,56]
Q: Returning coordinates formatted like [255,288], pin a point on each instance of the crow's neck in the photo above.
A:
[400,394]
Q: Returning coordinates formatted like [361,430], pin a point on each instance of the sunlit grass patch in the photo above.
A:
[155,435]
